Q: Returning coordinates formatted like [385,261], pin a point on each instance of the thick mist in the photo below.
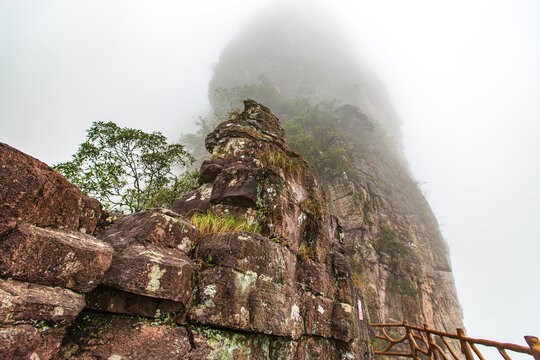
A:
[463,78]
[303,54]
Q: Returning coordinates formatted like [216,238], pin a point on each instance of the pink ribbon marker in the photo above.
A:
[360,313]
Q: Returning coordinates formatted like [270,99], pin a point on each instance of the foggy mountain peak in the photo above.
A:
[301,52]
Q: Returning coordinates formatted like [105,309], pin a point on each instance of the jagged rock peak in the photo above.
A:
[253,174]
[255,128]
[299,281]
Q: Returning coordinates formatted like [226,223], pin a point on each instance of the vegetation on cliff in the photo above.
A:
[313,126]
[128,169]
[212,223]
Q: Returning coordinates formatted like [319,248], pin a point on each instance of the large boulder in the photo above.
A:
[37,304]
[158,227]
[32,192]
[228,298]
[152,271]
[249,252]
[252,130]
[53,257]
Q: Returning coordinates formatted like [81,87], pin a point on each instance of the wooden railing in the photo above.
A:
[423,343]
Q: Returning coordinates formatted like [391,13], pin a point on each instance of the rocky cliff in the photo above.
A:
[338,116]
[76,282]
[400,260]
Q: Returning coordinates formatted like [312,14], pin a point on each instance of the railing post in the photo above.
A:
[411,341]
[534,344]
[432,352]
[465,349]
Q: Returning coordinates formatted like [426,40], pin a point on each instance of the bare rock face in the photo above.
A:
[250,253]
[37,304]
[159,227]
[247,302]
[103,336]
[399,259]
[32,192]
[45,250]
[27,342]
[152,271]
[57,258]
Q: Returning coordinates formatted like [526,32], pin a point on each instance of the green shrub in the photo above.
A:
[313,207]
[334,159]
[388,242]
[126,169]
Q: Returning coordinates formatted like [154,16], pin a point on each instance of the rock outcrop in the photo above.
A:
[339,116]
[152,285]
[34,193]
[48,259]
[288,280]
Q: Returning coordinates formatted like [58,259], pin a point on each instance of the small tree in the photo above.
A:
[128,169]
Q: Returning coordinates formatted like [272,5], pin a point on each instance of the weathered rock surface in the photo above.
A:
[121,302]
[159,227]
[32,192]
[152,271]
[18,342]
[56,258]
[105,336]
[27,342]
[30,303]
[244,301]
[326,318]
[44,243]
[250,253]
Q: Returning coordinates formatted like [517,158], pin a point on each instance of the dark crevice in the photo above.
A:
[190,337]
[238,331]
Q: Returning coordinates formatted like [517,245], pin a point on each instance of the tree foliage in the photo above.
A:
[128,169]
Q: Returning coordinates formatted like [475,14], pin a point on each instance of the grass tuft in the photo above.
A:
[281,160]
[212,223]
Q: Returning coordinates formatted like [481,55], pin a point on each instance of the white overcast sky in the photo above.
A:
[464,76]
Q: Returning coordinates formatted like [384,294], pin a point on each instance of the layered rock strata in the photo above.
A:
[48,259]
[151,285]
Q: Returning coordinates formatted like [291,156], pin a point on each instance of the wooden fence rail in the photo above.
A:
[423,343]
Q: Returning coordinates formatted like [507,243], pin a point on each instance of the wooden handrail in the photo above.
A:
[420,341]
[534,345]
